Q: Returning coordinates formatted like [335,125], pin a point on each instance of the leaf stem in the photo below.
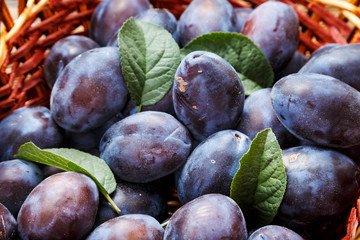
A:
[164,224]
[139,108]
[118,211]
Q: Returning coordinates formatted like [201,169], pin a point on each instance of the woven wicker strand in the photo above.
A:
[25,45]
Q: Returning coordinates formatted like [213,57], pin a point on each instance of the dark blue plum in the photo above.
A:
[209,217]
[133,198]
[8,224]
[322,186]
[322,49]
[62,52]
[110,15]
[211,166]
[206,16]
[156,16]
[258,114]
[63,206]
[131,226]
[340,62]
[297,61]
[352,152]
[89,91]
[89,141]
[17,179]
[318,108]
[33,123]
[145,146]
[164,105]
[208,94]
[161,17]
[274,232]
[276,33]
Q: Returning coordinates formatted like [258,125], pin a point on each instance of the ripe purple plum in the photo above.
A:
[322,185]
[318,108]
[62,52]
[89,91]
[110,15]
[8,224]
[210,217]
[17,179]
[133,198]
[274,27]
[208,94]
[131,226]
[63,206]
[274,232]
[259,114]
[211,166]
[145,146]
[338,61]
[33,123]
[206,16]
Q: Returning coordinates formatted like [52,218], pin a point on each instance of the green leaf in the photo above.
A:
[72,160]
[249,85]
[259,185]
[149,59]
[247,59]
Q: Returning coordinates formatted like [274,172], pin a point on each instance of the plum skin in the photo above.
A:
[274,232]
[318,108]
[134,198]
[211,166]
[258,114]
[89,91]
[17,179]
[274,32]
[208,95]
[206,16]
[210,217]
[8,224]
[110,15]
[63,206]
[32,123]
[311,195]
[338,61]
[62,52]
[131,226]
[145,146]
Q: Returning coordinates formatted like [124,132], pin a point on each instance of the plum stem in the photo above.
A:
[164,224]
[106,195]
[139,108]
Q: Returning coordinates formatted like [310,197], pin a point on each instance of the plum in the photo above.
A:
[208,94]
[63,206]
[17,179]
[89,91]
[31,123]
[145,146]
[62,52]
[206,16]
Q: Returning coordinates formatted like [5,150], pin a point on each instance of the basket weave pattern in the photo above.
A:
[24,43]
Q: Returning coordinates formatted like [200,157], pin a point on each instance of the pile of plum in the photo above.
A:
[192,139]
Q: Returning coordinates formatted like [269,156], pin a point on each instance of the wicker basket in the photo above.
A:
[25,42]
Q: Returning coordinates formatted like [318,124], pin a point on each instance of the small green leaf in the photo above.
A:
[249,85]
[259,185]
[149,59]
[71,160]
[247,59]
